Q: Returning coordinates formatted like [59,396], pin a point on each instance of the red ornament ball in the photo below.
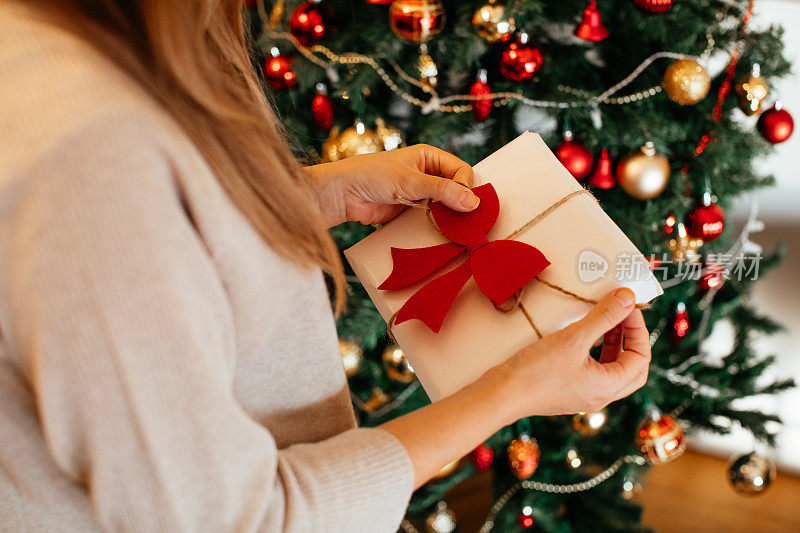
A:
[520,60]
[776,125]
[523,457]
[653,6]
[417,21]
[311,21]
[575,157]
[481,108]
[482,457]
[379,2]
[705,222]
[322,108]
[278,71]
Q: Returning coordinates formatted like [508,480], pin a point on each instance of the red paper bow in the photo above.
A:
[501,267]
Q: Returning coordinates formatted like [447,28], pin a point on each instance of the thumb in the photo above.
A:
[612,309]
[450,193]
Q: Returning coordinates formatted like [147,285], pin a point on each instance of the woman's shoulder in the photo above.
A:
[55,85]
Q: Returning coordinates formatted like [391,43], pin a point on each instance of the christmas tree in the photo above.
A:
[659,107]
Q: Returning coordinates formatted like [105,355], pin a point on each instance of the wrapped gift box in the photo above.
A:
[589,256]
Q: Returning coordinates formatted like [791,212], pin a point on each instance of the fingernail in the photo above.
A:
[469,200]
[625,296]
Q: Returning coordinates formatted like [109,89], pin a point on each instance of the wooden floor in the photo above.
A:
[689,495]
[692,494]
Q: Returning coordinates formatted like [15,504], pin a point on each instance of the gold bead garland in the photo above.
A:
[499,99]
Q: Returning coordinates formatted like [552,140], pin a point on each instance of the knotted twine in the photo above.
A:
[516,302]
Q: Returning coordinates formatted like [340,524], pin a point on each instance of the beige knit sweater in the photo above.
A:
[160,368]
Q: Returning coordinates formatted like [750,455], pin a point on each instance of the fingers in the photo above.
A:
[607,313]
[612,345]
[628,370]
[637,338]
[452,194]
[444,164]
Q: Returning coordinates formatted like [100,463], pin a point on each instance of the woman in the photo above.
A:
[168,357]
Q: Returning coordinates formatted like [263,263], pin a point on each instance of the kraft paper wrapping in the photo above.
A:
[475,336]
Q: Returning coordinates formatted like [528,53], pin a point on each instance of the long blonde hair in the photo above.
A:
[192,56]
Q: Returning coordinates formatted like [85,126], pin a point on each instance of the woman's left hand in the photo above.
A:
[370,188]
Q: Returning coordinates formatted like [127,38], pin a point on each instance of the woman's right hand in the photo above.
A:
[556,375]
[552,377]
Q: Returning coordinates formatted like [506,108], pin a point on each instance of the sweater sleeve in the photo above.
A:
[127,335]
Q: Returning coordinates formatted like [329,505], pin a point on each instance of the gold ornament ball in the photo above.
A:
[588,424]
[660,438]
[330,149]
[751,473]
[390,136]
[397,366]
[686,82]
[378,400]
[752,91]
[352,355]
[644,174]
[492,22]
[523,456]
[441,520]
[355,140]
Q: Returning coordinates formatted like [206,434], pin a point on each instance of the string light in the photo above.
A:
[448,104]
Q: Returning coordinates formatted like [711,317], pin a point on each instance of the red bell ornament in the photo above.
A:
[278,71]
[776,124]
[520,60]
[311,21]
[575,157]
[481,108]
[653,6]
[482,457]
[706,221]
[417,21]
[322,108]
[591,27]
[603,176]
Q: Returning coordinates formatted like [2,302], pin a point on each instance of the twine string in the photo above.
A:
[516,302]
